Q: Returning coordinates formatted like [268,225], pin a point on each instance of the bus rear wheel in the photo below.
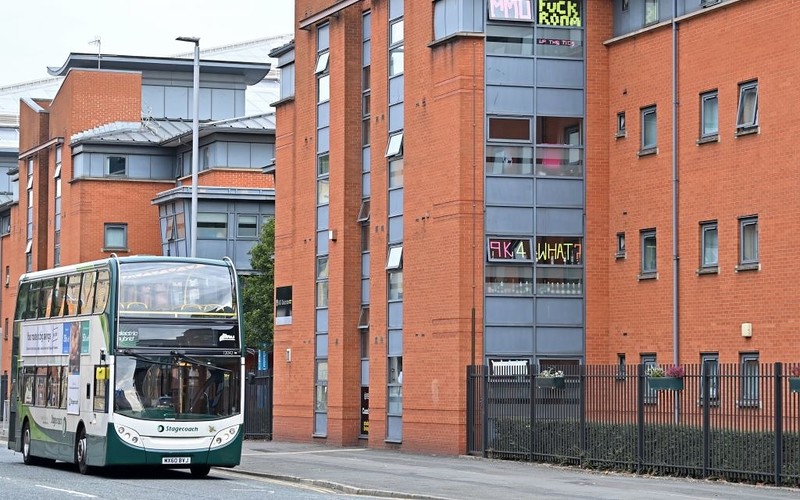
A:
[200,470]
[27,458]
[81,449]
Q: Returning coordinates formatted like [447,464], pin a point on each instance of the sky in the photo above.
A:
[41,33]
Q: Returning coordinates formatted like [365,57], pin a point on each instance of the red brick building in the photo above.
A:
[523,184]
[105,167]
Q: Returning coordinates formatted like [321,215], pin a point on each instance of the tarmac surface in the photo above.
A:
[397,474]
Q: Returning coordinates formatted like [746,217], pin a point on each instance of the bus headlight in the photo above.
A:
[224,436]
[129,436]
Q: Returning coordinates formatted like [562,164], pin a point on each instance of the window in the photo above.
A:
[395,258]
[248,226]
[624,5]
[709,370]
[116,236]
[749,384]
[323,191]
[648,252]
[509,129]
[322,62]
[395,146]
[620,245]
[748,240]
[709,245]
[747,116]
[709,115]
[650,395]
[324,88]
[323,165]
[213,226]
[363,320]
[116,166]
[650,11]
[648,128]
[287,81]
[396,285]
[621,132]
[363,212]
[396,48]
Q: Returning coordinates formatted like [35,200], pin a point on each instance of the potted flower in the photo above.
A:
[794,379]
[661,379]
[550,377]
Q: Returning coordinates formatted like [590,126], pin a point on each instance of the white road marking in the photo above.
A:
[71,492]
[302,452]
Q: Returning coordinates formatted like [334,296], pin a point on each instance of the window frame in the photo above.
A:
[394,258]
[124,164]
[650,395]
[107,228]
[239,234]
[648,147]
[705,228]
[645,235]
[621,252]
[621,123]
[749,400]
[710,359]
[705,99]
[394,145]
[650,3]
[750,126]
[744,223]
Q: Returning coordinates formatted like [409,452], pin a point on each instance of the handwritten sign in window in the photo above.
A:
[510,10]
[558,12]
[510,249]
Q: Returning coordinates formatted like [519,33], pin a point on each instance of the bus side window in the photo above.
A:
[59,292]
[22,302]
[101,292]
[46,301]
[73,295]
[87,293]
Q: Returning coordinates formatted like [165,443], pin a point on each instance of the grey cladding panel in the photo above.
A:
[508,339]
[559,192]
[559,311]
[396,89]
[396,118]
[559,341]
[511,100]
[395,316]
[322,320]
[559,221]
[559,73]
[324,114]
[559,102]
[504,220]
[509,191]
[509,70]
[509,311]
[153,101]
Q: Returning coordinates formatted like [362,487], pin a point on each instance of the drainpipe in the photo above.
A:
[675,251]
[675,256]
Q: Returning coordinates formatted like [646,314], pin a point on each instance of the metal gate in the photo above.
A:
[258,405]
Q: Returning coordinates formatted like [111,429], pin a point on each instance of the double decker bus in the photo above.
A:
[129,361]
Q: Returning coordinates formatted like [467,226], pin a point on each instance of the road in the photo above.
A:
[62,481]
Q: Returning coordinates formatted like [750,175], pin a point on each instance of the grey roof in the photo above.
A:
[169,132]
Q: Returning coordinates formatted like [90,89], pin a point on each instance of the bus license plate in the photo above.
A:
[176,460]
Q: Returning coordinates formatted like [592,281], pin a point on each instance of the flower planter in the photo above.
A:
[550,382]
[665,383]
[794,384]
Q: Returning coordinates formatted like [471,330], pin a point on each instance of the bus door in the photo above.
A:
[13,404]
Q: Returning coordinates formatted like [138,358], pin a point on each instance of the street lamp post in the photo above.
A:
[195,139]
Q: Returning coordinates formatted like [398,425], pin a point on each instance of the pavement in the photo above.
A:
[396,474]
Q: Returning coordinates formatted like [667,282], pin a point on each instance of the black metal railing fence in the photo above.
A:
[258,405]
[733,421]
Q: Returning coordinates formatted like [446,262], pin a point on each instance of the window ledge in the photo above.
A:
[113,249]
[708,139]
[647,152]
[454,36]
[714,402]
[741,131]
[748,403]
[708,270]
[393,441]
[621,135]
[285,100]
[620,255]
[755,266]
[320,436]
[647,276]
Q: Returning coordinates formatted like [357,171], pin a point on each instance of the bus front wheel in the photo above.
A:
[200,470]
[81,449]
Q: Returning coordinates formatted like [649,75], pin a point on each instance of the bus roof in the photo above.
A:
[95,264]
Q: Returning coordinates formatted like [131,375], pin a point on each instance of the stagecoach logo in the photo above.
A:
[226,337]
[180,428]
